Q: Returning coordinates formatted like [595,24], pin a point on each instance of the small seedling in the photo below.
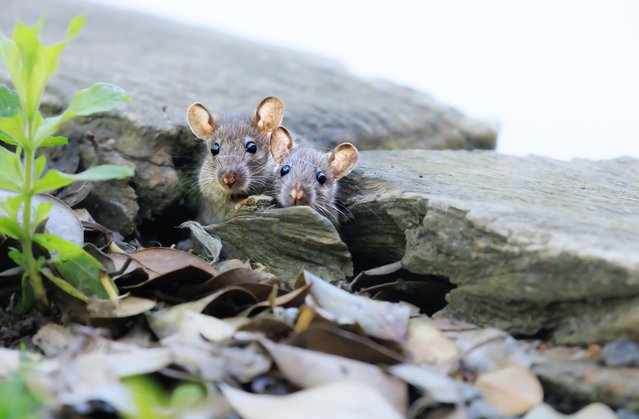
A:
[22,170]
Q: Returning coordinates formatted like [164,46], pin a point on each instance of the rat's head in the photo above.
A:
[309,176]
[238,159]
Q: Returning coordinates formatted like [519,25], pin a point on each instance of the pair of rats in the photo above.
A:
[250,154]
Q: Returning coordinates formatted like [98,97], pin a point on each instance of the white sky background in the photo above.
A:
[560,77]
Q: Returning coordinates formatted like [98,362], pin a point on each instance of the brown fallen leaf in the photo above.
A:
[124,306]
[331,339]
[157,261]
[379,318]
[342,400]
[309,369]
[512,390]
[427,345]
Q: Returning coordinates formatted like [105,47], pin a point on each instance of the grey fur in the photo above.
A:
[305,162]
[253,172]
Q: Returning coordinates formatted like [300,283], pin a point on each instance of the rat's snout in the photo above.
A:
[229,180]
[297,194]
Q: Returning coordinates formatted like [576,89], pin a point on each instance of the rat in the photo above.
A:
[237,161]
[308,176]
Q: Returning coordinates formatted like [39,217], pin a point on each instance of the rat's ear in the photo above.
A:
[343,159]
[269,114]
[200,121]
[281,143]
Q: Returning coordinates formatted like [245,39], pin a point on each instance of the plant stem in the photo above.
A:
[31,268]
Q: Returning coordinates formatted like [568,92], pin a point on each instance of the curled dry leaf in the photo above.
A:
[213,362]
[331,339]
[440,387]
[158,261]
[187,320]
[427,345]
[310,369]
[512,390]
[592,411]
[342,400]
[124,306]
[379,318]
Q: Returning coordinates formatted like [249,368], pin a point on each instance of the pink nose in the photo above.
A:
[229,180]
[296,194]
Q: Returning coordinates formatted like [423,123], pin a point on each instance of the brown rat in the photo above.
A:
[308,176]
[237,161]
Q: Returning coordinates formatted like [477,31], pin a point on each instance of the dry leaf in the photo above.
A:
[427,345]
[331,339]
[379,318]
[511,390]
[53,339]
[165,323]
[440,387]
[124,306]
[307,369]
[343,400]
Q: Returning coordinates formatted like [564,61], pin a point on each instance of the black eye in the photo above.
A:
[321,177]
[215,149]
[251,147]
[285,169]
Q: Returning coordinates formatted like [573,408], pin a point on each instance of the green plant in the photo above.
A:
[22,172]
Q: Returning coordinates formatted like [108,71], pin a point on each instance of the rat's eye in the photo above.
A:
[215,149]
[321,177]
[285,169]
[251,147]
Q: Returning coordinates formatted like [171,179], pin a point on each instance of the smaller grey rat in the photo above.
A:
[237,161]
[308,176]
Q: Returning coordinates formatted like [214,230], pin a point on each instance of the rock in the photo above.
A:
[286,241]
[532,243]
[578,383]
[621,353]
[165,66]
[114,204]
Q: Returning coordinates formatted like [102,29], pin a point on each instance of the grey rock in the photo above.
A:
[531,243]
[114,204]
[579,383]
[286,241]
[621,353]
[165,66]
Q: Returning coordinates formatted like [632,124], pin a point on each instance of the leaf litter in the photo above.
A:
[203,338]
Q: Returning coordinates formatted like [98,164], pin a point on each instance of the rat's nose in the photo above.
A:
[296,194]
[229,180]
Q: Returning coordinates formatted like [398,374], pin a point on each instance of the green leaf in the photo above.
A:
[75,26]
[11,173]
[11,228]
[9,102]
[10,206]
[100,97]
[54,179]
[30,63]
[12,130]
[54,141]
[40,164]
[75,265]
[65,286]
[42,212]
